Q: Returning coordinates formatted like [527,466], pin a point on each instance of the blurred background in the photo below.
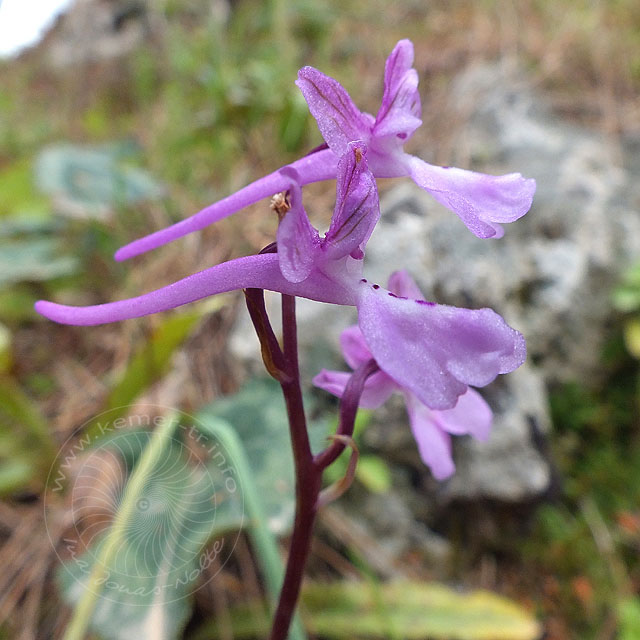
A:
[128,115]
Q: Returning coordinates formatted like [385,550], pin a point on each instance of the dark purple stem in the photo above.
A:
[348,410]
[282,364]
[308,477]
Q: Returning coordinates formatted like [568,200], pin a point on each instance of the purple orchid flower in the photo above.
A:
[432,429]
[482,201]
[450,348]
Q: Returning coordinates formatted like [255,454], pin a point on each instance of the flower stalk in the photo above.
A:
[282,364]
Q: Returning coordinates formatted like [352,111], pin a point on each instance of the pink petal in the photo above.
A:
[357,209]
[339,120]
[471,415]
[298,241]
[403,285]
[312,168]
[400,110]
[433,443]
[480,200]
[377,388]
[435,351]
[354,348]
[261,271]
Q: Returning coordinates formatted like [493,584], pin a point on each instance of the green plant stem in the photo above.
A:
[83,612]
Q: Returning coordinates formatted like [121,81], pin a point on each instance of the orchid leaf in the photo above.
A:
[263,540]
[151,558]
[90,182]
[258,415]
[408,610]
[34,258]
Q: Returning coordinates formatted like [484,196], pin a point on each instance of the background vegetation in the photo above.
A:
[206,104]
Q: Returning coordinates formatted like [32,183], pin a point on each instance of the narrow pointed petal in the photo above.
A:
[403,285]
[471,416]
[298,241]
[357,209]
[400,110]
[435,351]
[376,392]
[339,120]
[481,201]
[312,168]
[261,271]
[434,444]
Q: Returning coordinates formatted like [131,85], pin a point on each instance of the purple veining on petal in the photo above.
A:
[482,202]
[339,120]
[400,109]
[357,209]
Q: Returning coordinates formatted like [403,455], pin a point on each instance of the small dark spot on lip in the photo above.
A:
[363,280]
[429,304]
[376,286]
[393,295]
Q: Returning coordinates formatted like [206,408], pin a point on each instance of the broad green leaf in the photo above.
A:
[148,365]
[33,258]
[258,415]
[415,610]
[90,181]
[408,610]
[18,225]
[263,540]
[151,570]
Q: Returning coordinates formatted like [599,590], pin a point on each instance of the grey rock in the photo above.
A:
[550,276]
[97,30]
[509,466]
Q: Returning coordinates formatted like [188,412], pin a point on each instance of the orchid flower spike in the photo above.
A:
[434,351]
[482,201]
[432,428]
